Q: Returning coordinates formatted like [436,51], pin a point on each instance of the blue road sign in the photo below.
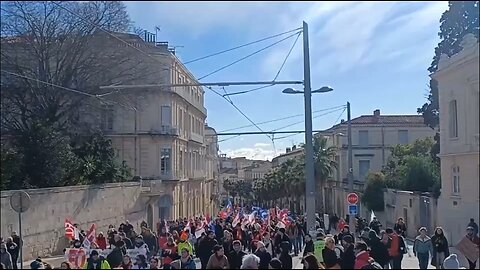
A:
[352,209]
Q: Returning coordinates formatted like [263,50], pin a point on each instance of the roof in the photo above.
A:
[383,120]
[228,171]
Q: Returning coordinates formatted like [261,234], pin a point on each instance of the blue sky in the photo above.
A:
[374,54]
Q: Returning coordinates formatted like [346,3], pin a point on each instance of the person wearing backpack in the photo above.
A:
[397,249]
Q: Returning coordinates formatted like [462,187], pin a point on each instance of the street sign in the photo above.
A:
[20,201]
[352,198]
[352,209]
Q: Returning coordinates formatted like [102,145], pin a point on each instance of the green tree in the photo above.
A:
[325,164]
[461,18]
[420,173]
[372,196]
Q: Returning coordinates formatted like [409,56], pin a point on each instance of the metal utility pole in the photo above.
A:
[351,222]
[309,167]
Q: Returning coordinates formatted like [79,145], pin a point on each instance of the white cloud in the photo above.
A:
[262,145]
[255,152]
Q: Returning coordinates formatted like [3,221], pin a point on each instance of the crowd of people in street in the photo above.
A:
[230,242]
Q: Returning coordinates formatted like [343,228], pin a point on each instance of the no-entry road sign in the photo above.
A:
[352,198]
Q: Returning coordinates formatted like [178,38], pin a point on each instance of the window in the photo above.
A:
[165,161]
[106,119]
[456,179]
[364,167]
[453,124]
[166,115]
[363,137]
[403,136]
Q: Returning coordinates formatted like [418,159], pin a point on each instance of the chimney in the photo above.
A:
[294,147]
[376,113]
[342,121]
[288,150]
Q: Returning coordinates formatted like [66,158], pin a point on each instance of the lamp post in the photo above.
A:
[309,166]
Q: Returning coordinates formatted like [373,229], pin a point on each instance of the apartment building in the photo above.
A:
[372,137]
[257,170]
[293,152]
[160,134]
[458,92]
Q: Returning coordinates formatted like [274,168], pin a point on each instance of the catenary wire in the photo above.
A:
[245,57]
[238,47]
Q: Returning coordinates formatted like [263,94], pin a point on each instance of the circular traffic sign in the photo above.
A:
[352,198]
[20,201]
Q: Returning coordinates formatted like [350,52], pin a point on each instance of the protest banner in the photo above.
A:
[468,248]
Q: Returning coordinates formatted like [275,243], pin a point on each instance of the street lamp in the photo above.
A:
[309,162]
[324,89]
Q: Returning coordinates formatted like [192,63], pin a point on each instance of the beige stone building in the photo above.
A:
[257,170]
[458,84]
[161,134]
[372,137]
[294,152]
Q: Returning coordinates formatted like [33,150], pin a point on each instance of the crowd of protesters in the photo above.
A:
[226,243]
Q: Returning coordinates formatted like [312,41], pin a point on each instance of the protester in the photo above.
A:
[400,228]
[285,258]
[205,248]
[227,242]
[154,263]
[345,231]
[275,263]
[185,262]
[281,238]
[101,241]
[250,261]
[451,262]
[311,262]
[474,226]
[476,241]
[397,249]
[235,257]
[378,248]
[375,225]
[348,256]
[66,265]
[292,233]
[218,260]
[150,240]
[127,262]
[95,261]
[330,258]
[13,249]
[440,248]
[169,253]
[309,248]
[268,243]
[5,257]
[184,243]
[422,248]
[140,262]
[361,255]
[263,254]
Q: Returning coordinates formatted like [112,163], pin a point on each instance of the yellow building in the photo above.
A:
[458,91]
[372,137]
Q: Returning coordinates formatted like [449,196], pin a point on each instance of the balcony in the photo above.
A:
[165,130]
[196,137]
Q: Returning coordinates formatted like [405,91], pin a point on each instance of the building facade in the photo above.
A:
[372,137]
[160,133]
[458,91]
[294,152]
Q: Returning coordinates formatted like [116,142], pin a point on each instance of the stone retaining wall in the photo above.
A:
[43,224]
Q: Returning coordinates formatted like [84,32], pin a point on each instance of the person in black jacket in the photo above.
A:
[205,248]
[280,238]
[348,255]
[263,254]
[345,231]
[378,250]
[330,258]
[235,257]
[309,248]
[285,257]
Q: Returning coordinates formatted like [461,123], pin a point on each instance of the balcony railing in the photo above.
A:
[196,137]
[165,130]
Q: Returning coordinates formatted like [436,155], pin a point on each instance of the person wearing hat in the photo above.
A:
[184,243]
[451,262]
[422,248]
[472,236]
[348,256]
[235,257]
[275,264]
[5,257]
[95,261]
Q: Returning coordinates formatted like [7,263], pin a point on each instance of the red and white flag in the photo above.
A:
[70,231]
[236,220]
[90,237]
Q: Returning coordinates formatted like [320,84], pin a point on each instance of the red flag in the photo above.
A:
[91,237]
[69,229]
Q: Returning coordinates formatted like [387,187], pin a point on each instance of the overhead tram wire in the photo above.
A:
[287,136]
[248,56]
[276,76]
[283,118]
[277,129]
[241,46]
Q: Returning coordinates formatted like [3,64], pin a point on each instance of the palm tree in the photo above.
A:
[325,164]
